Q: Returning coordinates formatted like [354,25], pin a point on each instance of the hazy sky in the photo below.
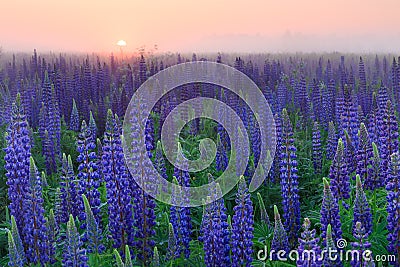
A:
[201,25]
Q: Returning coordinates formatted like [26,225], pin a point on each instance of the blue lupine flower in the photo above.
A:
[364,154]
[16,251]
[350,154]
[308,243]
[374,120]
[68,191]
[143,204]
[215,233]
[263,211]
[242,227]
[35,230]
[49,153]
[362,211]
[172,251]
[338,174]
[16,259]
[120,221]
[330,214]
[18,151]
[128,260]
[317,149]
[221,157]
[289,181]
[388,138]
[375,175]
[330,248]
[361,245]
[280,239]
[93,127]
[393,207]
[52,232]
[155,262]
[275,168]
[74,254]
[93,232]
[88,175]
[74,123]
[332,141]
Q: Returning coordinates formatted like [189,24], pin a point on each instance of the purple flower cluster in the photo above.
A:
[242,227]
[18,152]
[289,181]
[88,175]
[393,207]
[330,214]
[120,220]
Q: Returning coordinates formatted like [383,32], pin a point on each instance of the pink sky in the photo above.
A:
[204,25]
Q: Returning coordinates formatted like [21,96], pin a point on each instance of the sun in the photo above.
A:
[121,43]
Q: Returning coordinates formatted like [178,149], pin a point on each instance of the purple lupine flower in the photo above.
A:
[275,168]
[49,153]
[74,254]
[149,132]
[331,142]
[254,139]
[280,239]
[215,233]
[74,123]
[289,181]
[16,251]
[349,118]
[143,204]
[282,95]
[88,175]
[375,175]
[128,258]
[393,207]
[317,149]
[93,232]
[15,258]
[339,103]
[172,250]
[382,99]
[35,230]
[364,154]
[388,138]
[330,248]
[330,213]
[180,216]
[338,174]
[242,227]
[159,161]
[52,232]
[68,191]
[327,99]
[221,157]
[18,151]
[93,127]
[362,211]
[120,221]
[362,87]
[361,245]
[374,120]
[317,100]
[155,262]
[350,154]
[308,249]
[264,218]
[56,124]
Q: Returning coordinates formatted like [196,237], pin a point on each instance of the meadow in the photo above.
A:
[68,197]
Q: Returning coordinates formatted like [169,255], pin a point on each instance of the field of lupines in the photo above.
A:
[68,199]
